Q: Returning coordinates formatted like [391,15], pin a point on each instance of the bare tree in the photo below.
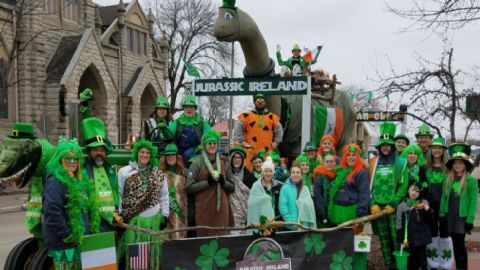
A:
[215,109]
[187,25]
[440,14]
[434,91]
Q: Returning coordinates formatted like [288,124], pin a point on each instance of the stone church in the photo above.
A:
[65,46]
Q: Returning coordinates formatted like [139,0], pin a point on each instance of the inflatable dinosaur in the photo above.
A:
[233,24]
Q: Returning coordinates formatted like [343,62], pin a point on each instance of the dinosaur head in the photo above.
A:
[19,158]
[233,24]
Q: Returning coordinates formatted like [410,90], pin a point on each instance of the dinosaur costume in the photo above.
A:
[388,186]
[155,128]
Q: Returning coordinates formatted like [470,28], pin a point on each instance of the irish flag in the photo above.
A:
[98,252]
[328,121]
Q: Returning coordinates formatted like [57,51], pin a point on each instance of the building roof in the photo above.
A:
[60,60]
[109,13]
[9,2]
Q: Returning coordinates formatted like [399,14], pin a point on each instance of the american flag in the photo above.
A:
[139,256]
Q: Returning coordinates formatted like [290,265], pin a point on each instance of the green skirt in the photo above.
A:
[66,259]
[133,237]
[338,214]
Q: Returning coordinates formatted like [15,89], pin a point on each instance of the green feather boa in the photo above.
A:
[340,179]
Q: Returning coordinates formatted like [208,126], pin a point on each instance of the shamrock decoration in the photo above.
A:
[341,261]
[457,148]
[432,253]
[446,254]
[362,245]
[212,256]
[314,244]
[384,189]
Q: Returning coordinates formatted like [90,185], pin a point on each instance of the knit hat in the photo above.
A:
[211,136]
[257,96]
[22,131]
[387,133]
[147,145]
[86,94]
[162,103]
[439,142]
[95,134]
[414,148]
[310,146]
[268,164]
[237,149]
[402,136]
[170,149]
[189,100]
[460,151]
[424,130]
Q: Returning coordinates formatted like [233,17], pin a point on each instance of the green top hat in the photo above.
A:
[189,100]
[162,103]
[95,134]
[460,151]
[424,130]
[22,131]
[228,4]
[170,149]
[402,136]
[86,94]
[387,133]
[257,96]
[310,146]
[296,47]
[439,142]
[237,149]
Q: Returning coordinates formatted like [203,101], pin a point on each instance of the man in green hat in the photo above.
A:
[388,185]
[401,141]
[102,174]
[258,129]
[296,58]
[155,126]
[424,138]
[310,151]
[188,129]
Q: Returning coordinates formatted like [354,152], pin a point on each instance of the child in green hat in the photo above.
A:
[155,126]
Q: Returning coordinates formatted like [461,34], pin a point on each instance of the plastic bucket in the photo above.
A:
[401,259]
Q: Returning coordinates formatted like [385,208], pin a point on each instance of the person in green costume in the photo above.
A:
[310,150]
[85,109]
[295,59]
[188,129]
[424,138]
[415,165]
[388,186]
[401,141]
[100,172]
[459,200]
[70,208]
[144,200]
[303,162]
[436,173]
[155,126]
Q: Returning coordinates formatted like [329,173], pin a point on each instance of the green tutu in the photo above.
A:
[66,259]
[132,237]
[338,214]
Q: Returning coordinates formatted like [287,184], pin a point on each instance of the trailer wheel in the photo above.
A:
[41,261]
[21,254]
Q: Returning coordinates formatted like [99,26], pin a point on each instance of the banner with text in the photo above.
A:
[251,86]
[380,116]
[292,250]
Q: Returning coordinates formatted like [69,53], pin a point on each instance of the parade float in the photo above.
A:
[24,157]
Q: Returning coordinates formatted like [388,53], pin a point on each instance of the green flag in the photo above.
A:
[370,96]
[191,70]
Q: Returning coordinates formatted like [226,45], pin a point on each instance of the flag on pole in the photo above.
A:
[312,55]
[97,252]
[328,121]
[139,256]
[191,70]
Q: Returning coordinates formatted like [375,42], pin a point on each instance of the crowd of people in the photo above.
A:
[177,178]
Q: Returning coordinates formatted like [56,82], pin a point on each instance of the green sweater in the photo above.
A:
[468,200]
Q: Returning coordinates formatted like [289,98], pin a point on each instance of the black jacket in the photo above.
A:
[419,221]
[248,178]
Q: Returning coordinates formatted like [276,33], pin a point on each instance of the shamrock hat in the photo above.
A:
[189,100]
[296,47]
[211,136]
[257,96]
[170,149]
[22,131]
[424,130]
[260,155]
[402,136]
[95,134]
[460,151]
[275,157]
[310,146]
[228,4]
[86,94]
[387,134]
[162,103]
[439,142]
[302,159]
[237,149]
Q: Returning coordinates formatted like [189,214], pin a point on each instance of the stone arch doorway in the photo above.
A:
[147,101]
[91,79]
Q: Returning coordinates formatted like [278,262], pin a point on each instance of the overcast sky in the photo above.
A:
[358,36]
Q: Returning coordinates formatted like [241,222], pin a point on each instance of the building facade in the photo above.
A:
[51,50]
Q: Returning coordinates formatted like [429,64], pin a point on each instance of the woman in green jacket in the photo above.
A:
[459,200]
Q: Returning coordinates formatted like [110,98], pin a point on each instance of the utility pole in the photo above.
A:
[230,116]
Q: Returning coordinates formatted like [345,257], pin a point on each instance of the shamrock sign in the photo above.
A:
[446,254]
[212,256]
[340,261]
[314,244]
[432,253]
[362,245]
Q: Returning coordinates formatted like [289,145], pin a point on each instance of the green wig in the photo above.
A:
[414,148]
[147,145]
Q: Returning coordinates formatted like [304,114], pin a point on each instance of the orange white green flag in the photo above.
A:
[328,121]
[97,252]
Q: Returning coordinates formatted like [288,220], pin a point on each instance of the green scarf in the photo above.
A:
[339,181]
[174,203]
[215,174]
[172,169]
[412,203]
[189,121]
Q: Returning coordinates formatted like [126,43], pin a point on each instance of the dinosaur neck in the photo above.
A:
[255,50]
